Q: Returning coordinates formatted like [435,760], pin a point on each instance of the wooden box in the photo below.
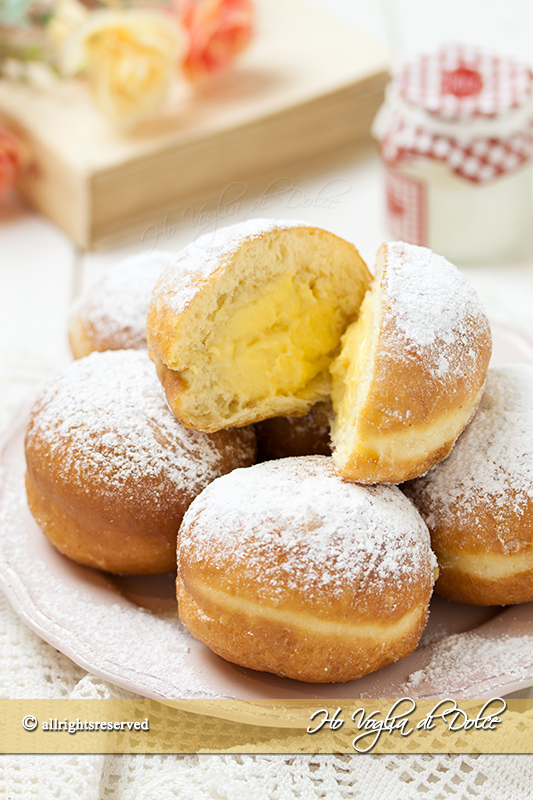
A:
[307,86]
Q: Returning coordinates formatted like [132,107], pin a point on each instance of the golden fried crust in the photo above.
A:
[252,583]
[392,404]
[294,645]
[463,580]
[478,503]
[110,471]
[172,382]
[485,556]
[107,538]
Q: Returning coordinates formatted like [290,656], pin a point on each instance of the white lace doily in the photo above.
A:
[32,668]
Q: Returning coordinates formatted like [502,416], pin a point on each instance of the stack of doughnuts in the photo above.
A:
[267,318]
[311,564]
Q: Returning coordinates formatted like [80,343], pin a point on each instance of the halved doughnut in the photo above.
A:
[411,370]
[245,324]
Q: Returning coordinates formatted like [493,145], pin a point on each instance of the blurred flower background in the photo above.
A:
[11,157]
[217,31]
[129,52]
[129,57]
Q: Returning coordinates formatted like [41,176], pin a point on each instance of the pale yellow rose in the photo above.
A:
[130,59]
[67,16]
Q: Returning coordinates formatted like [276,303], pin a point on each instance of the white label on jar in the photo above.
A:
[467,222]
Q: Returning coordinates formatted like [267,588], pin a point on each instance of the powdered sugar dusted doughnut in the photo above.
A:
[110,471]
[411,370]
[478,503]
[111,315]
[286,568]
[246,322]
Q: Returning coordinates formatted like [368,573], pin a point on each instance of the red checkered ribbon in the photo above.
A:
[471,93]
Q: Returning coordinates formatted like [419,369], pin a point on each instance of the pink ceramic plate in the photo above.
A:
[127,630]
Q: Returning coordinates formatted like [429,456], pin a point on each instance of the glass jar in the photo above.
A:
[456,138]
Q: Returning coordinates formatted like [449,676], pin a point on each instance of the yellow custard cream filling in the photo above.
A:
[278,343]
[349,374]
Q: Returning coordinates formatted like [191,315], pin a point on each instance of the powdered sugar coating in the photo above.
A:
[116,307]
[331,534]
[466,660]
[106,415]
[492,461]
[435,310]
[182,281]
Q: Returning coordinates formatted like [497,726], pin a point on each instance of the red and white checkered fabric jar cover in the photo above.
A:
[469,109]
